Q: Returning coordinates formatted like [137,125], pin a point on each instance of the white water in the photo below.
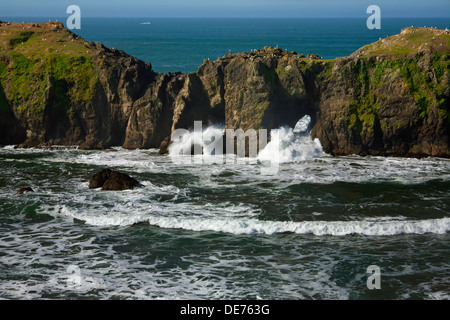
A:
[318,228]
[293,147]
[223,230]
[126,208]
[206,138]
[240,220]
[302,161]
[292,144]
[286,144]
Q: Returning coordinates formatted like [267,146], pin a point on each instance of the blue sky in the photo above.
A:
[225,8]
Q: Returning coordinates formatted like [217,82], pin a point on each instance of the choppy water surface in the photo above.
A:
[224,230]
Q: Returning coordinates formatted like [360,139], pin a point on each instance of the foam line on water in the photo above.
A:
[95,216]
[319,228]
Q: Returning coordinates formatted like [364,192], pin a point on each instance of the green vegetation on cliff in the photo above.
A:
[424,81]
[418,57]
[3,103]
[42,68]
[20,38]
[408,43]
[71,79]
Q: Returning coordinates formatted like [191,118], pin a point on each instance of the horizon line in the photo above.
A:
[231,17]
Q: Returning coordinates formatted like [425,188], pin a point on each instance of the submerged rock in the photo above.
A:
[24,190]
[108,179]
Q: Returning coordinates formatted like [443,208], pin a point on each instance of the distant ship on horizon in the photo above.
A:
[148,22]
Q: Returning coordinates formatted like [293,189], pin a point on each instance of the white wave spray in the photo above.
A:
[205,139]
[318,228]
[286,144]
[229,223]
[292,144]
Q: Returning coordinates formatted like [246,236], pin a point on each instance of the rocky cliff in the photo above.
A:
[391,97]
[57,88]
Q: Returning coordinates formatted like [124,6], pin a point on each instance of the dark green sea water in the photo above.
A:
[210,231]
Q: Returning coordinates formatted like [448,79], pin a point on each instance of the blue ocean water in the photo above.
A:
[181,44]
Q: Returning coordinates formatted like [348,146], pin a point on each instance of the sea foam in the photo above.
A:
[292,144]
[318,228]
[241,220]
[286,144]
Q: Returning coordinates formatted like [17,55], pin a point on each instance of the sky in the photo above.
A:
[225,8]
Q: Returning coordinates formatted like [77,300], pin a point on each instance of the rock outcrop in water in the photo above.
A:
[391,97]
[24,190]
[108,179]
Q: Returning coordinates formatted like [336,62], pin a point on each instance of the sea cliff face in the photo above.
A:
[391,97]
[59,89]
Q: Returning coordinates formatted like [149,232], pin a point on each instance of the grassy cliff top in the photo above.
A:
[34,56]
[410,41]
[37,39]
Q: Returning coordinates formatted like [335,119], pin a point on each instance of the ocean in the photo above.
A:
[219,227]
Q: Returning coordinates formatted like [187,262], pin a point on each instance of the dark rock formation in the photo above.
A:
[164,147]
[391,97]
[112,180]
[313,56]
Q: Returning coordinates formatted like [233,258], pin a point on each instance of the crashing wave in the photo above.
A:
[318,228]
[286,144]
